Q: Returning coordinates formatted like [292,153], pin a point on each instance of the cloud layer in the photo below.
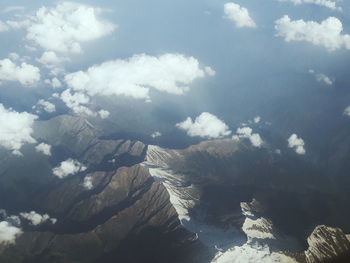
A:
[328,33]
[205,125]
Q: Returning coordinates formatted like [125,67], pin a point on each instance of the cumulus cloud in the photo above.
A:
[43,148]
[3,27]
[25,73]
[297,144]
[36,219]
[347,111]
[15,129]
[257,119]
[12,220]
[18,24]
[134,77]
[88,184]
[46,105]
[156,134]
[66,26]
[76,102]
[13,56]
[247,133]
[328,33]
[239,15]
[8,233]
[68,167]
[54,82]
[320,77]
[104,114]
[50,58]
[205,125]
[210,71]
[326,3]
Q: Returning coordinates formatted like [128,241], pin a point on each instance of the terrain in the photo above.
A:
[216,201]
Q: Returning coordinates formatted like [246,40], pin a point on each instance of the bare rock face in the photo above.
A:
[123,216]
[213,168]
[74,133]
[130,203]
[143,203]
[126,186]
[326,244]
[80,138]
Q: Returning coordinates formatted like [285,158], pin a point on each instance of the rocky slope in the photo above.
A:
[327,244]
[124,208]
[218,201]
[188,176]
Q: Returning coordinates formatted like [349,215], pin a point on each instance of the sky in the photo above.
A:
[177,72]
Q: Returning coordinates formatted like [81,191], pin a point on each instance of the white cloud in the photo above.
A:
[76,102]
[323,78]
[44,148]
[256,140]
[134,77]
[156,134]
[297,144]
[13,220]
[247,133]
[104,114]
[257,119]
[328,33]
[205,125]
[54,82]
[326,3]
[47,106]
[18,24]
[14,56]
[210,71]
[88,182]
[66,26]
[26,74]
[239,15]
[36,219]
[8,233]
[320,77]
[15,129]
[3,27]
[50,58]
[68,167]
[347,111]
